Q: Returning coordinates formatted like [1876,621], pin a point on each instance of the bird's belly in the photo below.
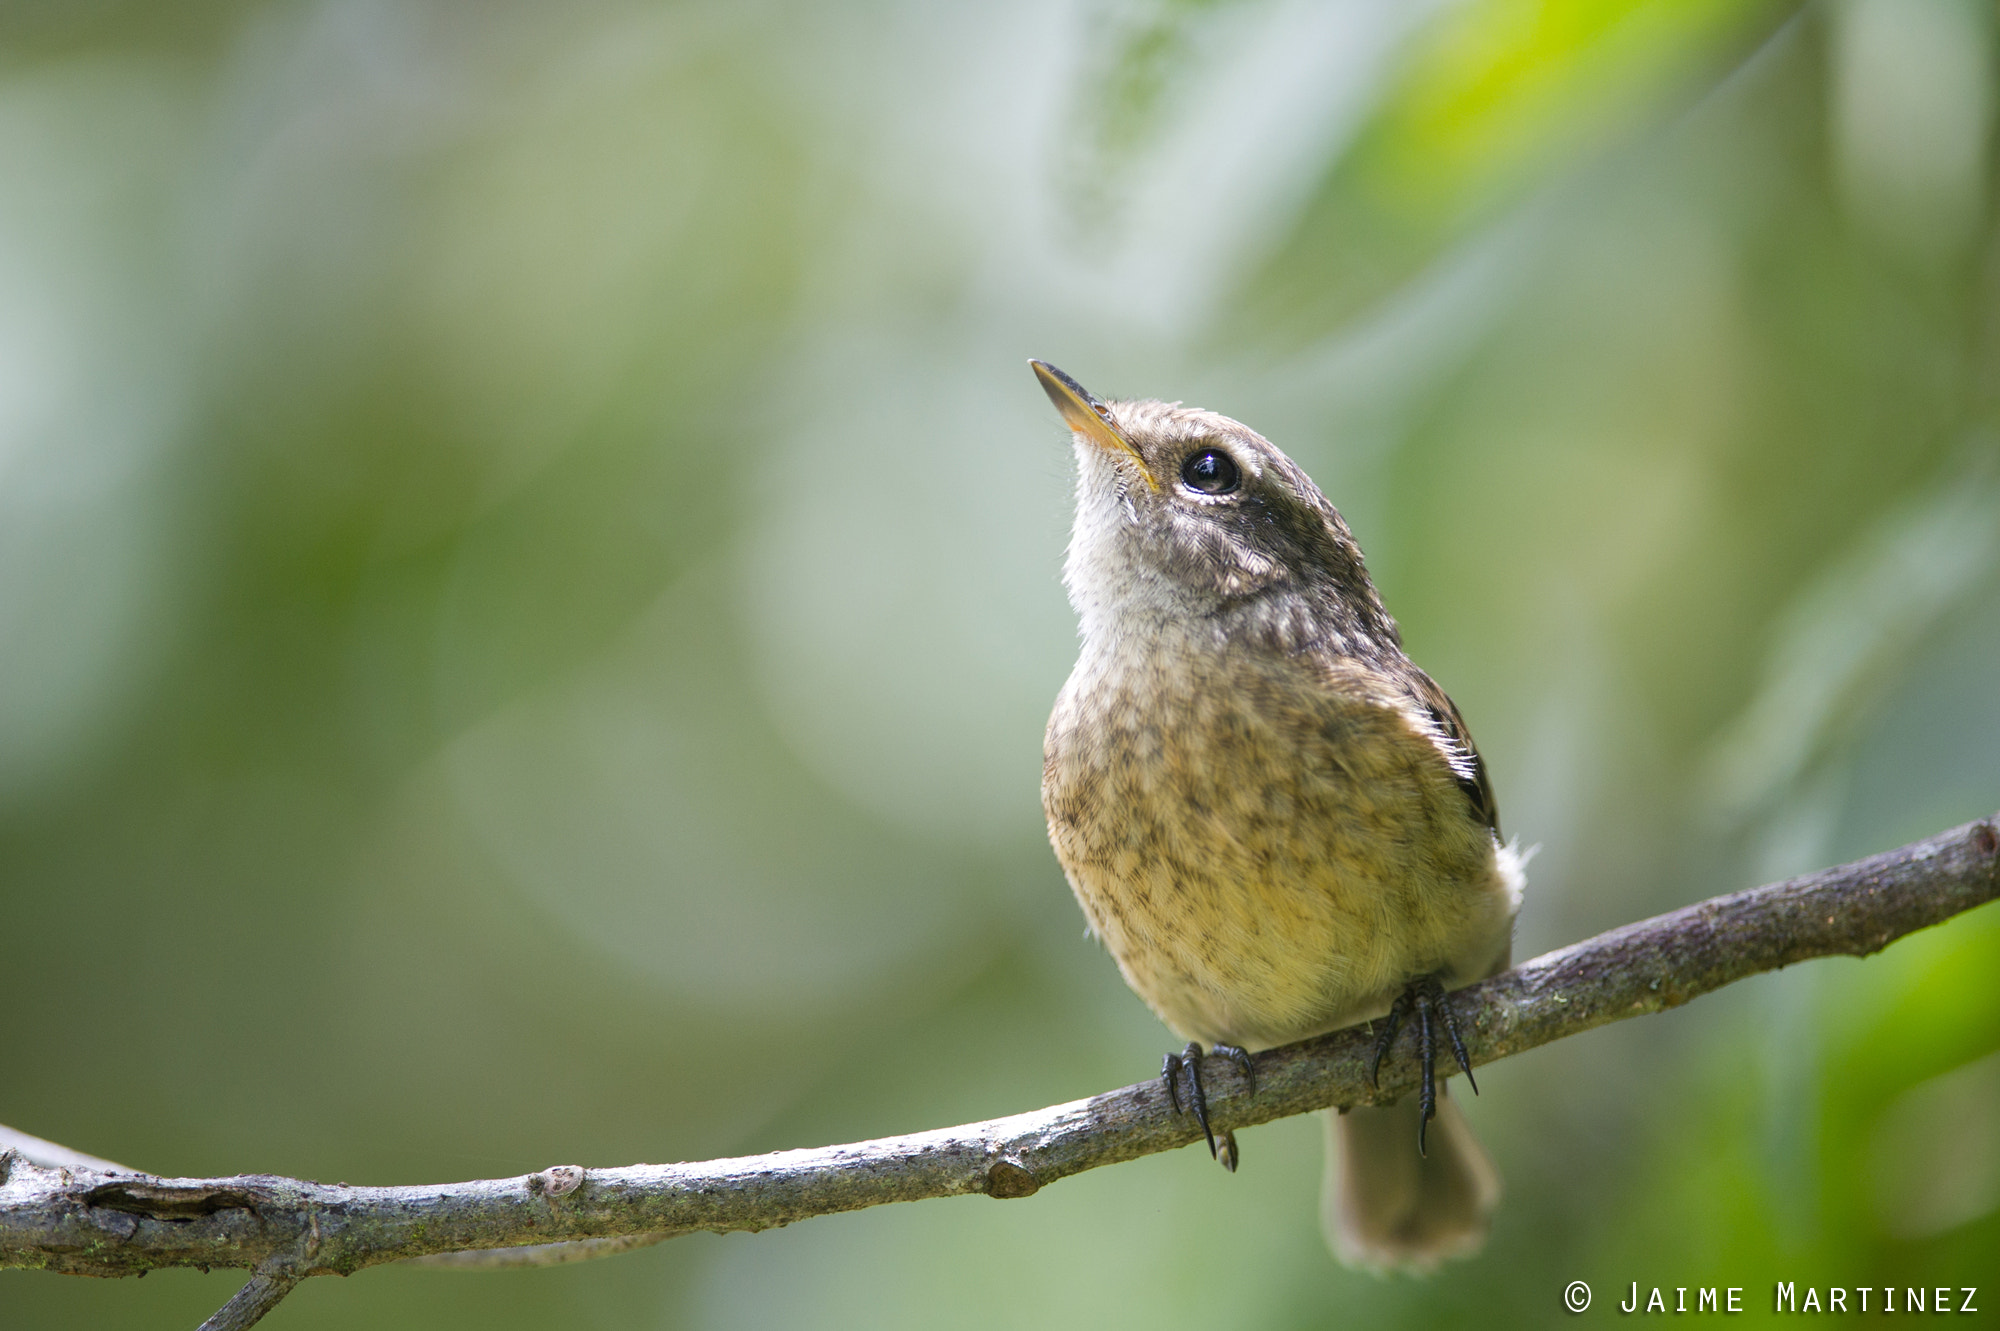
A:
[1255,892]
[1258,963]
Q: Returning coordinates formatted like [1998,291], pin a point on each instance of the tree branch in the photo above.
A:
[69,1216]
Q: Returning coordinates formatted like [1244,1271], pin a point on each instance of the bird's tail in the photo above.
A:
[1385,1207]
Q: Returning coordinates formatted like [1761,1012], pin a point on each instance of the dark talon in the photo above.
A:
[1188,1063]
[1457,1045]
[1241,1058]
[1426,1001]
[1427,1092]
[1397,1011]
[1189,1060]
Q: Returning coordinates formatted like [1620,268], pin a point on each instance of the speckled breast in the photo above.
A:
[1266,854]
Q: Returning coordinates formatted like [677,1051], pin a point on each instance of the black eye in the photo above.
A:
[1210,471]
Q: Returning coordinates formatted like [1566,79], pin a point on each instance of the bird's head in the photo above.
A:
[1186,517]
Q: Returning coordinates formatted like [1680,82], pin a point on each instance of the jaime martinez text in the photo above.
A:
[1788,1297]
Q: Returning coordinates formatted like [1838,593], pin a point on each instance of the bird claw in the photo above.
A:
[1425,1001]
[1186,1065]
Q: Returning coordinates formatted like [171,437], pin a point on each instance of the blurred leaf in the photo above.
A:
[1937,1152]
[1144,49]
[1851,633]
[1495,97]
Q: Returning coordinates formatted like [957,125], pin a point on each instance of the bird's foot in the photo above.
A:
[1427,1005]
[1185,1067]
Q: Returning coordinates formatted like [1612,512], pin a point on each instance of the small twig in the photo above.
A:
[44,1152]
[260,1294]
[89,1221]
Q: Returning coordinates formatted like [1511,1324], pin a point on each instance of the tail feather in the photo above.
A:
[1387,1208]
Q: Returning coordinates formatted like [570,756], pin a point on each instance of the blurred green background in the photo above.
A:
[528,599]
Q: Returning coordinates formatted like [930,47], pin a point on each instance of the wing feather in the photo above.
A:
[1454,741]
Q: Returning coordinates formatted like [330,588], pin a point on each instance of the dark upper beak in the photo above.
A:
[1086,416]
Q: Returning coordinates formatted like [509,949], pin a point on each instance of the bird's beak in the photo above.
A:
[1086,416]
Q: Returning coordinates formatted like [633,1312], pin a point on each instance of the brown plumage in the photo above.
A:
[1275,822]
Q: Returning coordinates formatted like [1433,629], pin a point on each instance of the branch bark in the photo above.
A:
[71,1216]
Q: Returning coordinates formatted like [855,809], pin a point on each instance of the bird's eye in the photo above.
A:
[1211,472]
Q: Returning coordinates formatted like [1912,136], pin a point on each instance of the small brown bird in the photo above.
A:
[1275,822]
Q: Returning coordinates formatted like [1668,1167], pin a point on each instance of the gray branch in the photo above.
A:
[76,1216]
[260,1294]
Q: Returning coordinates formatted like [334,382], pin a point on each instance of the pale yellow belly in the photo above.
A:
[1262,875]
[1258,964]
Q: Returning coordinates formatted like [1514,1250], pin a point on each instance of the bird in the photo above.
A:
[1273,820]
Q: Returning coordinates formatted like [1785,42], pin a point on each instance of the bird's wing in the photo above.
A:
[1455,742]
